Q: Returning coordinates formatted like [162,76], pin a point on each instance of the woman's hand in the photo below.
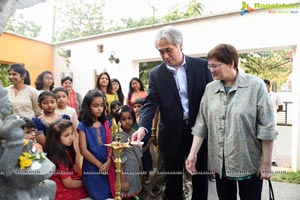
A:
[265,171]
[190,163]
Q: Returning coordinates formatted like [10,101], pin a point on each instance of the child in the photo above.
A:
[116,86]
[63,108]
[131,157]
[60,150]
[30,134]
[114,108]
[147,158]
[48,103]
[94,132]
[137,105]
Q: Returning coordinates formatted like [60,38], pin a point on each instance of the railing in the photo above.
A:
[285,117]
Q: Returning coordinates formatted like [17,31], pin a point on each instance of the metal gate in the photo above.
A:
[284,118]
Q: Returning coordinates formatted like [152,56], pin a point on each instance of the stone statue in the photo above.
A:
[30,183]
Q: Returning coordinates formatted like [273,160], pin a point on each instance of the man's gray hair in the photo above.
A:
[169,33]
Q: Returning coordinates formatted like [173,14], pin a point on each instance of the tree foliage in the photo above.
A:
[273,65]
[19,25]
[4,75]
[78,18]
[145,68]
[63,53]
[192,9]
[145,21]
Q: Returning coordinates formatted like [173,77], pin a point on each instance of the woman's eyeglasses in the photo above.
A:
[214,66]
[49,78]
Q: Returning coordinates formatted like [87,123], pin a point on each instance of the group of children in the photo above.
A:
[66,141]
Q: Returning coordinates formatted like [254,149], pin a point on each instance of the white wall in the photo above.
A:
[129,47]
[254,31]
[296,113]
[258,30]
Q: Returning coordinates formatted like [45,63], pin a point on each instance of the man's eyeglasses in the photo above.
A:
[214,66]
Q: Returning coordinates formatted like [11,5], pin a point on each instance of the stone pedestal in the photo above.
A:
[30,183]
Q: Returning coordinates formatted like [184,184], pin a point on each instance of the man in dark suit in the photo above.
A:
[176,87]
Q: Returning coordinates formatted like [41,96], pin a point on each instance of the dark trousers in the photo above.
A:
[249,189]
[174,171]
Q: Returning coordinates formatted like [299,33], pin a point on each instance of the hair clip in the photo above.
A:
[119,111]
[56,125]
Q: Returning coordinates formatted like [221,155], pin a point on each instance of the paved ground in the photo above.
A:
[282,191]
[283,146]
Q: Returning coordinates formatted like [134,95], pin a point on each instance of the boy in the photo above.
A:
[30,134]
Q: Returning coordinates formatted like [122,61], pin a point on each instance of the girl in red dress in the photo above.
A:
[60,150]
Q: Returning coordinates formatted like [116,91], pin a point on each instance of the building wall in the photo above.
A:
[35,55]
[256,31]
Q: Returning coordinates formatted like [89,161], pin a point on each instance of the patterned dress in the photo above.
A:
[25,103]
[131,161]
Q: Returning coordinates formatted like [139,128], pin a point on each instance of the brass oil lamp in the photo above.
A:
[117,148]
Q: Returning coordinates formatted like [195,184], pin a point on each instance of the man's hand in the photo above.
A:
[138,135]
[190,163]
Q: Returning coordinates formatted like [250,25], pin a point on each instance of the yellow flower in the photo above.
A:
[26,155]
[25,142]
[25,160]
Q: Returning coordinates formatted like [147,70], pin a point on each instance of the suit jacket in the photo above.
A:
[163,92]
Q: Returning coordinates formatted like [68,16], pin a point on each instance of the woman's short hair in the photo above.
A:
[64,79]
[225,53]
